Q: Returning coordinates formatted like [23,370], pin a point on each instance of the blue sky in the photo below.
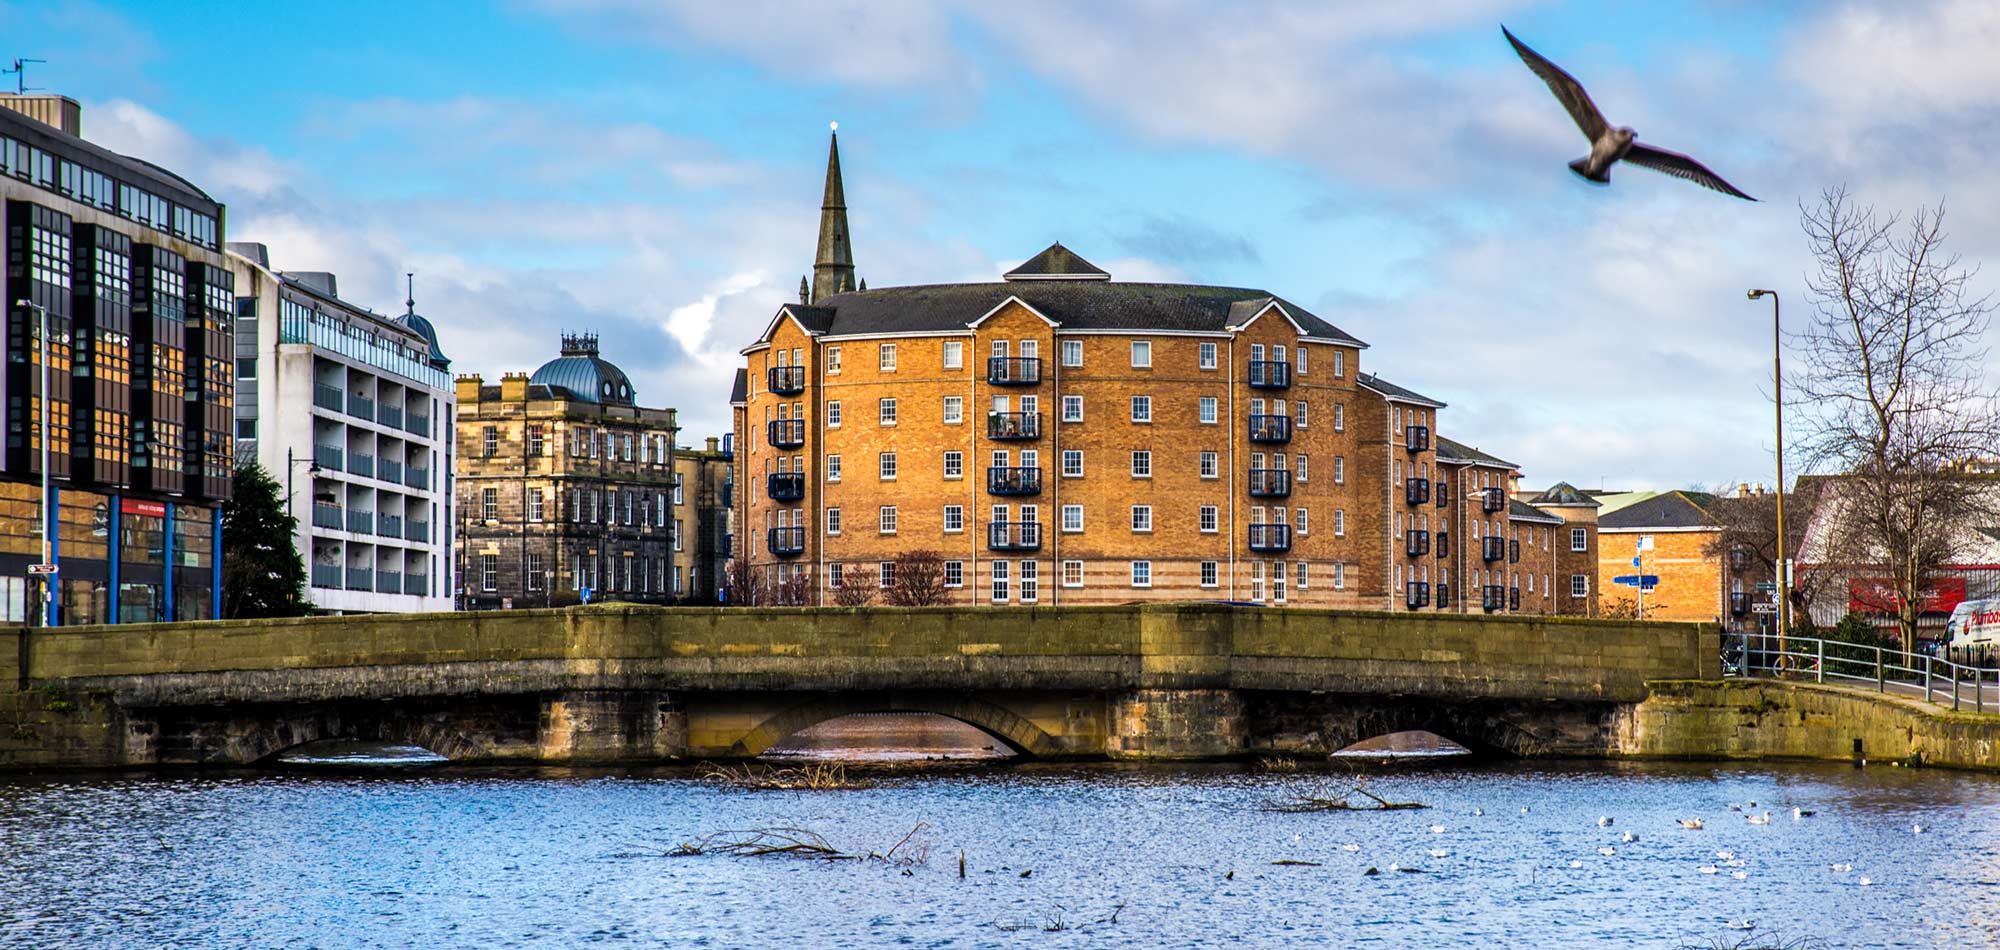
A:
[650,169]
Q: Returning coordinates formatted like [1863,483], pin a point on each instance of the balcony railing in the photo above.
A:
[1416,438]
[360,522]
[787,433]
[416,584]
[417,531]
[1013,425]
[418,423]
[360,578]
[1443,594]
[1492,597]
[786,542]
[1417,594]
[389,526]
[1492,500]
[417,477]
[1270,428]
[326,575]
[1270,482]
[1270,374]
[1442,489]
[1014,536]
[785,486]
[1493,548]
[1270,537]
[786,380]
[327,456]
[388,582]
[1013,481]
[1444,544]
[1739,603]
[1513,552]
[1416,543]
[1014,371]
[389,470]
[1416,491]
[361,407]
[1513,598]
[391,416]
[359,463]
[328,516]
[329,397]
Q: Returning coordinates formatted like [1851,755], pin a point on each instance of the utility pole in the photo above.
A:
[1778,395]
[46,569]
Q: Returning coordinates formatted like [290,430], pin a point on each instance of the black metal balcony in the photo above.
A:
[1013,426]
[1513,552]
[1014,371]
[1493,548]
[1416,491]
[787,380]
[1002,480]
[1271,538]
[1442,489]
[1513,598]
[1492,597]
[1416,438]
[786,486]
[1444,544]
[786,542]
[1417,594]
[1270,374]
[1492,500]
[1443,594]
[1014,536]
[787,433]
[1270,483]
[1270,428]
[1739,603]
[1416,543]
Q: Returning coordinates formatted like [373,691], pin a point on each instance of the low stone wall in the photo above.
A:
[1755,719]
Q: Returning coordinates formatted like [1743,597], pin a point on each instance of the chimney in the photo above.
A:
[514,387]
[714,444]
[468,389]
[1742,489]
[60,111]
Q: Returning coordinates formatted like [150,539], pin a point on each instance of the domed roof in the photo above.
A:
[583,374]
[422,327]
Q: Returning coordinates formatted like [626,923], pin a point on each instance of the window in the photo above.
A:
[1030,582]
[954,410]
[1340,470]
[534,504]
[833,361]
[954,354]
[833,521]
[886,409]
[954,518]
[1579,585]
[538,575]
[1208,465]
[1072,353]
[1142,518]
[954,573]
[627,445]
[1072,573]
[1299,418]
[1142,573]
[833,413]
[1208,356]
[1142,408]
[490,436]
[1072,518]
[1339,416]
[954,464]
[833,468]
[1340,577]
[885,574]
[1142,464]
[537,442]
[1579,539]
[1072,463]
[999,582]
[1072,409]
[836,575]
[886,357]
[888,466]
[489,504]
[1208,410]
[1209,519]
[887,520]
[1300,581]
[1339,363]
[1210,574]
[1301,471]
[1339,522]
[489,572]
[1303,521]
[1302,361]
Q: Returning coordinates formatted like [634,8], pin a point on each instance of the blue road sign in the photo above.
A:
[1637,580]
[1635,562]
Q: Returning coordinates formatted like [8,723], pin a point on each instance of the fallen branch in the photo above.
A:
[912,849]
[1329,799]
[1057,920]
[819,777]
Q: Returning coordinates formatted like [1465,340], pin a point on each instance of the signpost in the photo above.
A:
[1641,581]
[1767,607]
[1765,587]
[42,569]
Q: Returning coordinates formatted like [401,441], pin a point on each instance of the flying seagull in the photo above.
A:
[1608,145]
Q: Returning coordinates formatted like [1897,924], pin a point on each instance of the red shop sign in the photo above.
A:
[1878,595]
[151,509]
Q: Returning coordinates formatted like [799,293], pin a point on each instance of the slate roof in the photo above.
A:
[1564,495]
[1057,262]
[1451,450]
[1397,393]
[739,391]
[1674,509]
[1518,510]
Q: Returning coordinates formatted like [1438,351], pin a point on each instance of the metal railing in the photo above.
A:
[391,416]
[786,542]
[1888,670]
[1270,428]
[1416,542]
[326,575]
[785,486]
[389,526]
[1739,603]
[360,522]
[1013,480]
[786,433]
[327,456]
[329,397]
[1013,535]
[361,407]
[1272,537]
[360,463]
[1013,425]
[1443,546]
[328,516]
[1493,548]
[1416,594]
[1492,597]
[417,531]
[1492,500]
[1270,374]
[360,578]
[388,581]
[389,470]
[786,380]
[1443,594]
[1416,491]
[418,423]
[1013,371]
[1416,438]
[416,583]
[417,477]
[1270,482]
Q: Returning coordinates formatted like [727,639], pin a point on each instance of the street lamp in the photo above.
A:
[312,468]
[1778,396]
[42,402]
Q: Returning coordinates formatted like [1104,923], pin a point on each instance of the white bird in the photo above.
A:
[1864,882]
[1604,822]
[1916,829]
[1524,809]
[1841,868]
[1608,146]
[1439,853]
[1628,837]
[1739,875]
[1607,851]
[1350,847]
[1691,824]
[1763,819]
[1725,855]
[1478,811]
[1734,862]
[1297,836]
[1576,864]
[1741,925]
[1437,829]
[1707,869]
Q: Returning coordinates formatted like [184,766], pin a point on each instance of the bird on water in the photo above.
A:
[1609,145]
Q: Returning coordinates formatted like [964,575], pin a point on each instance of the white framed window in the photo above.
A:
[1339,363]
[1300,581]
[1531,583]
[1072,353]
[1142,573]
[887,520]
[1072,408]
[833,413]
[833,521]
[886,466]
[999,570]
[833,468]
[1208,356]
[954,354]
[1208,411]
[1300,417]
[1340,470]
[1210,520]
[885,357]
[1209,465]
[1211,574]
[954,464]
[836,575]
[535,509]
[886,410]
[1142,408]
[954,519]
[1340,577]
[1340,522]
[1072,573]
[1579,585]
[1142,354]
[1072,518]
[833,361]
[489,504]
[489,572]
[1303,521]
[954,410]
[1302,360]
[1142,463]
[954,573]
[885,574]
[1339,416]
[1579,539]
[1029,587]
[1142,519]
[1072,463]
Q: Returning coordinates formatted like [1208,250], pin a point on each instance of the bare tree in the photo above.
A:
[919,580]
[1749,539]
[1895,393]
[857,587]
[793,591]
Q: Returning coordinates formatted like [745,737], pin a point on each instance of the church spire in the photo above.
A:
[833,265]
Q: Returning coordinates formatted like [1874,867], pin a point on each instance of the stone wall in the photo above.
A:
[1755,719]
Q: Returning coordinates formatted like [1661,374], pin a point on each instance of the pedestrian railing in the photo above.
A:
[1963,686]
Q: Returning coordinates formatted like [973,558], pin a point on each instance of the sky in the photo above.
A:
[651,170]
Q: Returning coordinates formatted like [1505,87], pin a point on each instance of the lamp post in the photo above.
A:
[42,437]
[1778,396]
[291,463]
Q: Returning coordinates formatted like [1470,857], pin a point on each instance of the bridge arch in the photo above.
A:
[268,739]
[1019,734]
[1490,728]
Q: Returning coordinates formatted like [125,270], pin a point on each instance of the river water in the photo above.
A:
[1182,856]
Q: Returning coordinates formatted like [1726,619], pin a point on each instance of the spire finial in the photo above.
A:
[835,258]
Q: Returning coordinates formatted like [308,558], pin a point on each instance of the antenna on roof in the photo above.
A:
[20,72]
[411,303]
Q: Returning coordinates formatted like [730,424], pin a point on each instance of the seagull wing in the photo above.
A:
[1567,90]
[1680,166]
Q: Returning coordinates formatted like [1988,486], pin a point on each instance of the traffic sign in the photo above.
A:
[1765,587]
[1637,580]
[1635,562]
[1764,608]
[41,568]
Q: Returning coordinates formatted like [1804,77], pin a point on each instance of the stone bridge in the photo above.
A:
[633,684]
